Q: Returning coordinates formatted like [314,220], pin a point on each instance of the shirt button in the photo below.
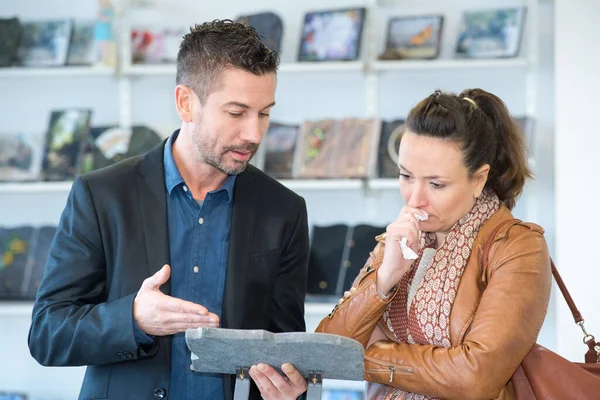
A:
[201,221]
[196,269]
[185,189]
[159,393]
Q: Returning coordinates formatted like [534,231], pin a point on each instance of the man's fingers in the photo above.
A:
[294,376]
[174,304]
[264,384]
[158,279]
[190,320]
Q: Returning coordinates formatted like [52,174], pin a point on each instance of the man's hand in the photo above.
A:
[273,386]
[158,314]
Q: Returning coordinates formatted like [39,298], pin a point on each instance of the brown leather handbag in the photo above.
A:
[544,374]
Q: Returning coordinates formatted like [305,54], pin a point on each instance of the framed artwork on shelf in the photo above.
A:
[332,35]
[491,33]
[67,135]
[414,37]
[45,43]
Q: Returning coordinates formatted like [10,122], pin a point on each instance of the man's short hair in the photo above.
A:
[211,47]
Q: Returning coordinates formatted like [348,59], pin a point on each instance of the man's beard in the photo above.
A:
[206,153]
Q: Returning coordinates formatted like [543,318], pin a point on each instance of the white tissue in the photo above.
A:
[407,252]
[422,218]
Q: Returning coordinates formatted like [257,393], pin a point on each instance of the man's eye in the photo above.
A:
[235,115]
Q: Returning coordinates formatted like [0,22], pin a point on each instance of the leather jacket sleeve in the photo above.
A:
[357,316]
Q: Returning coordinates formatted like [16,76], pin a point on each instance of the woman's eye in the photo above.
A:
[263,115]
[235,115]
[437,186]
[404,177]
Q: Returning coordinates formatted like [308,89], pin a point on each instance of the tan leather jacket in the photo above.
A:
[497,314]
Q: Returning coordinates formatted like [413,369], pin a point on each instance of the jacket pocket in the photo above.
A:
[387,368]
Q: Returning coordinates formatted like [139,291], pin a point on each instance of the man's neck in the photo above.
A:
[199,176]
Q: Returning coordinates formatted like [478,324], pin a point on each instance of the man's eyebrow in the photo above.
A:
[246,106]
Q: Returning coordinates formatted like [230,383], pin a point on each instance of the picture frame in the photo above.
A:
[492,33]
[45,43]
[65,141]
[413,37]
[332,35]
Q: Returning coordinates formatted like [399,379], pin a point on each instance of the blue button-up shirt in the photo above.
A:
[198,243]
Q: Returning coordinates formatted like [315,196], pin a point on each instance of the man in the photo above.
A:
[184,236]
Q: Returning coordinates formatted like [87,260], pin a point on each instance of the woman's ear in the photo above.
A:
[184,102]
[480,178]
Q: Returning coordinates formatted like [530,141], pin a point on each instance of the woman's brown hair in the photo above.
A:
[481,125]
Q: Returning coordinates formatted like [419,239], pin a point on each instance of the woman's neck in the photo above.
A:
[439,239]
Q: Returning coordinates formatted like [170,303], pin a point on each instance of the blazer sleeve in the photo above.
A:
[73,323]
[505,326]
[287,310]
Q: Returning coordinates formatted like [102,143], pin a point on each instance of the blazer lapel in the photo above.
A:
[243,219]
[153,205]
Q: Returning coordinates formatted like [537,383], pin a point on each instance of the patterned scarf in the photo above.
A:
[428,320]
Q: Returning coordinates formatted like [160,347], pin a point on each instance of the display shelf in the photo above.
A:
[35,187]
[293,184]
[299,67]
[440,64]
[67,72]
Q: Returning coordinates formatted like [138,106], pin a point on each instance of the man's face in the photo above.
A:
[228,128]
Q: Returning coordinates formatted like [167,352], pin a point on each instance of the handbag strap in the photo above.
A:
[593,354]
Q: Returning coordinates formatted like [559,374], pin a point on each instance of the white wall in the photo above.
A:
[577,144]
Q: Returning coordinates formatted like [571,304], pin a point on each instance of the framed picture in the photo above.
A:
[45,43]
[333,35]
[20,156]
[65,141]
[491,33]
[415,37]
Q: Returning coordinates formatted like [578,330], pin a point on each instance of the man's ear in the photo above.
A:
[184,101]
[480,177]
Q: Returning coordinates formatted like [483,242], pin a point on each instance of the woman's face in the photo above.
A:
[433,178]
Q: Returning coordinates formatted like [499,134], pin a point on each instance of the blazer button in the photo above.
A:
[128,354]
[159,393]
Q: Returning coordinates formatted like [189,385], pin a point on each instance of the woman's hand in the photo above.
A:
[394,265]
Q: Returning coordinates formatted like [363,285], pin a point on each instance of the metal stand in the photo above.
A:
[242,385]
[315,386]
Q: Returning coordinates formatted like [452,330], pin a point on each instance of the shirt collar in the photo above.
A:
[173,177]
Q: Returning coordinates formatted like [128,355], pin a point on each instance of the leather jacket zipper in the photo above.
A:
[390,367]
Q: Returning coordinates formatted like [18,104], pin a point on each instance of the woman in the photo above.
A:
[454,323]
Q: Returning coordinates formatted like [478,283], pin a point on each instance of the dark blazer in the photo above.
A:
[113,234]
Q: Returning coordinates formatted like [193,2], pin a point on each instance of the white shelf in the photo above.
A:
[293,184]
[299,67]
[353,66]
[67,72]
[321,184]
[340,66]
[416,65]
[384,183]
[150,70]
[15,308]
[35,187]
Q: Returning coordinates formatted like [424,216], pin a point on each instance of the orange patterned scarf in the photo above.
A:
[428,320]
